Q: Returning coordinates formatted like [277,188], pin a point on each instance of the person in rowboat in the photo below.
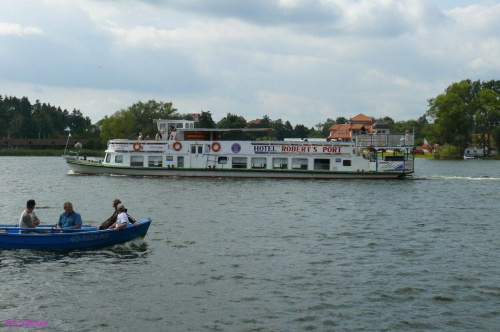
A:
[121,219]
[69,218]
[111,220]
[28,217]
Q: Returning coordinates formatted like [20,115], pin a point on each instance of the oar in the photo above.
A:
[39,226]
[45,229]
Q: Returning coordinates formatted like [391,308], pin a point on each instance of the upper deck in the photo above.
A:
[184,130]
[394,141]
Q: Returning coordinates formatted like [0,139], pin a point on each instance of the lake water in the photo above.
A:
[262,255]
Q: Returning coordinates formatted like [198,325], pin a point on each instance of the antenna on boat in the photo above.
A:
[69,135]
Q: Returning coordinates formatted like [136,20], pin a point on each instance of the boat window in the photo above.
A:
[280,163]
[137,161]
[239,162]
[155,161]
[299,163]
[259,162]
[346,162]
[222,160]
[108,158]
[322,164]
[197,149]
[119,159]
[180,162]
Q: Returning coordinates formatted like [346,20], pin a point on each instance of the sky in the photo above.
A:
[302,61]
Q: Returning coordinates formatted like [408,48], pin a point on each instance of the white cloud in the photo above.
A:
[18,30]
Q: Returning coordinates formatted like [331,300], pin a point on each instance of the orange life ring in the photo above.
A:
[177,146]
[215,146]
[137,146]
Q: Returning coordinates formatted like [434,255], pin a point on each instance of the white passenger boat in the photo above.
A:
[194,152]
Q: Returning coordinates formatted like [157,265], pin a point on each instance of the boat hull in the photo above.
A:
[82,167]
[11,238]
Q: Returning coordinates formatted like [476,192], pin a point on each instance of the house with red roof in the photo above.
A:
[254,122]
[345,132]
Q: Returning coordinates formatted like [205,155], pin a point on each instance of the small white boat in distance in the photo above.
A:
[186,151]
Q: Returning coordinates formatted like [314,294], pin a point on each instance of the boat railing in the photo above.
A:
[385,140]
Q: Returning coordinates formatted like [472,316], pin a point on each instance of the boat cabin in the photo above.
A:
[184,130]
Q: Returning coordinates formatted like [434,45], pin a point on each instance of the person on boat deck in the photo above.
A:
[121,219]
[69,218]
[363,130]
[111,220]
[158,136]
[28,217]
[140,136]
[173,134]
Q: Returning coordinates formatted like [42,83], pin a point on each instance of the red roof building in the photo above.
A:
[195,116]
[254,122]
[344,132]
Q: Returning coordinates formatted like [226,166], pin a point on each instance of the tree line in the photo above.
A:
[138,118]
[467,112]
[21,119]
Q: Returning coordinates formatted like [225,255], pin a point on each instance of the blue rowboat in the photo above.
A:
[51,238]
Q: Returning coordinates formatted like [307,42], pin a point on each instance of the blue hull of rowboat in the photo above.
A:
[49,238]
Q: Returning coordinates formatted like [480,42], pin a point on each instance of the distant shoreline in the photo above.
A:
[46,153]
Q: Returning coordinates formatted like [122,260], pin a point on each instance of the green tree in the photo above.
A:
[288,129]
[487,117]
[143,115]
[137,118]
[279,129]
[300,131]
[453,115]
[322,130]
[205,120]
[496,138]
[232,121]
[77,123]
[341,120]
[119,125]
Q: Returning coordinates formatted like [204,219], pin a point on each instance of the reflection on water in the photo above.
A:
[131,250]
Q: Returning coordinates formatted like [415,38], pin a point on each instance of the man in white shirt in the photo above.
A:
[122,219]
[28,218]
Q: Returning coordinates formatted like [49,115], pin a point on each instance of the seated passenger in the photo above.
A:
[28,217]
[69,218]
[121,219]
[111,220]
